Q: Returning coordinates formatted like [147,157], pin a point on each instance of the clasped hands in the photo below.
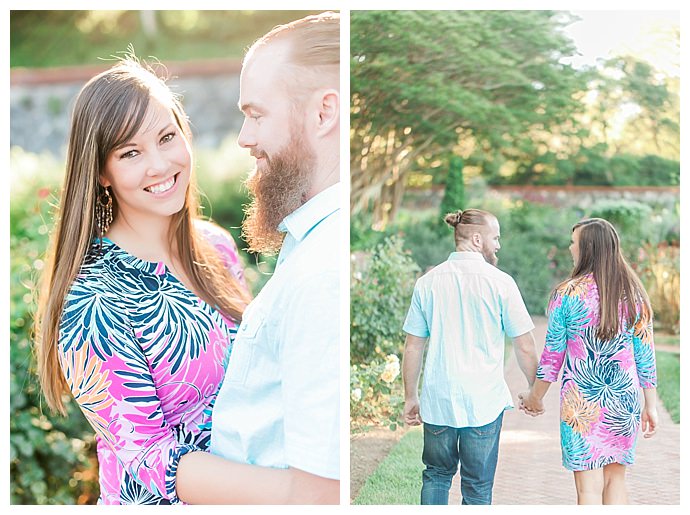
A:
[530,404]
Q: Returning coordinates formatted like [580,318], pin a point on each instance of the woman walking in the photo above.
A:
[600,333]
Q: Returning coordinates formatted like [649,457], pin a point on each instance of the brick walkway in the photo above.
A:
[529,463]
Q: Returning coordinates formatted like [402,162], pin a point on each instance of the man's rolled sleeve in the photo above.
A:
[416,323]
[516,319]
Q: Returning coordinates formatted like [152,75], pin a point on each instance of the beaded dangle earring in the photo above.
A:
[104,211]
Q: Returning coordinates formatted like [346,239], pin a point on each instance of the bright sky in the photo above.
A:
[645,34]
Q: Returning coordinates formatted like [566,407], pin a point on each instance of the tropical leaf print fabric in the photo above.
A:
[600,398]
[144,358]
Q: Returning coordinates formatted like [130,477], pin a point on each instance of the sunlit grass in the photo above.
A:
[61,38]
[666,339]
[668,389]
[398,478]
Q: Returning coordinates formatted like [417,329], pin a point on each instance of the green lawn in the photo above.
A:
[668,376]
[666,339]
[398,478]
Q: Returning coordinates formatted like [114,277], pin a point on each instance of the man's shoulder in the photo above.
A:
[500,275]
[477,268]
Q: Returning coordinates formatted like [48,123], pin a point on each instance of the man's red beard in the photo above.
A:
[489,256]
[277,188]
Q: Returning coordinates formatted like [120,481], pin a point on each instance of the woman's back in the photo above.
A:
[600,409]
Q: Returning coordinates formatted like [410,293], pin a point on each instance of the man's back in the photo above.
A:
[466,307]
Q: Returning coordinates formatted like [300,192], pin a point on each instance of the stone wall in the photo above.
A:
[41,102]
[567,196]
[586,196]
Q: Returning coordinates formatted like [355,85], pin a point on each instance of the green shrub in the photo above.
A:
[659,269]
[362,236]
[428,239]
[629,217]
[657,171]
[381,287]
[592,166]
[625,170]
[534,249]
[52,459]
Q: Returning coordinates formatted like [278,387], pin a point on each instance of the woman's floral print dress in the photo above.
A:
[144,358]
[600,396]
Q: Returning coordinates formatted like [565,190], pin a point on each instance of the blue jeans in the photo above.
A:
[475,448]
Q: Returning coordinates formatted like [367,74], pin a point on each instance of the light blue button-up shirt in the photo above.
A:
[465,307]
[279,403]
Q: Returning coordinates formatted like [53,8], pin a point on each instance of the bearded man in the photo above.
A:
[275,433]
[464,308]
[279,403]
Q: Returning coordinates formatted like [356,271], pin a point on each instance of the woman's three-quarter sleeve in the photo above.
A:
[556,339]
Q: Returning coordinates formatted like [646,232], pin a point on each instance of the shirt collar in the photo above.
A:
[466,255]
[306,217]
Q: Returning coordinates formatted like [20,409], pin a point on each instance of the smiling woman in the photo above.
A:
[149,174]
[141,298]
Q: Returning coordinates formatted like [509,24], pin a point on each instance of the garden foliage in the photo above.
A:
[593,166]
[454,194]
[51,457]
[381,284]
[375,392]
[380,291]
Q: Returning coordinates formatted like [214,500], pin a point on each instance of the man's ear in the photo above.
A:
[329,111]
[477,239]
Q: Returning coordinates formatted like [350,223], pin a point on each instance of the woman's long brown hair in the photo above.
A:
[619,287]
[109,111]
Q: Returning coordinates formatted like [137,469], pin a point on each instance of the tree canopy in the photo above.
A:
[429,84]
[494,89]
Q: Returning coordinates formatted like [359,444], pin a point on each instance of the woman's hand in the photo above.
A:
[650,420]
[530,404]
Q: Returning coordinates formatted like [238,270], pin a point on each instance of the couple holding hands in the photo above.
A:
[599,333]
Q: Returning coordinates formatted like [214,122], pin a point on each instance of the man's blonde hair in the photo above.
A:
[469,222]
[314,52]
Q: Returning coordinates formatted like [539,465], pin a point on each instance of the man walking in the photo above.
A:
[464,308]
[279,403]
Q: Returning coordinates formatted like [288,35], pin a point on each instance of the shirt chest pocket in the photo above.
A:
[244,348]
